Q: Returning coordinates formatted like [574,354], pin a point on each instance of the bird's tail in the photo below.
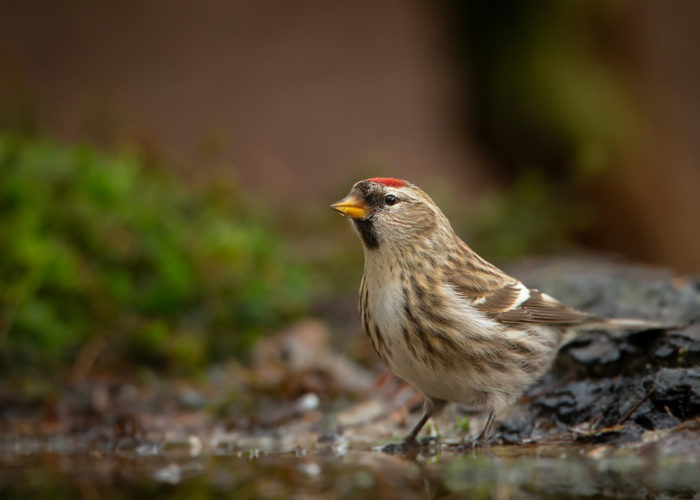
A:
[625,324]
[616,327]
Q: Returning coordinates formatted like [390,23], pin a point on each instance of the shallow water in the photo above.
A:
[48,470]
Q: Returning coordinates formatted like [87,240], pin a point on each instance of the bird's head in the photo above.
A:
[391,213]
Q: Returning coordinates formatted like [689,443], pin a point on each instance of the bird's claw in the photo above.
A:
[472,445]
[401,448]
[408,446]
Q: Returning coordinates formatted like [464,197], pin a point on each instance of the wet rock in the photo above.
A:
[602,351]
[617,384]
[680,442]
[678,389]
[615,435]
[512,430]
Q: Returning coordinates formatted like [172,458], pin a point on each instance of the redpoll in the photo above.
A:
[441,317]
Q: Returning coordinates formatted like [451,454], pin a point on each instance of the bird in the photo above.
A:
[442,318]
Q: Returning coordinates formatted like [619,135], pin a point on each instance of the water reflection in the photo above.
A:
[501,472]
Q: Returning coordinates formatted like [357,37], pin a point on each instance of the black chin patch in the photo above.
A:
[367,232]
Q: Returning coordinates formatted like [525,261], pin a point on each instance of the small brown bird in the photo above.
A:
[439,316]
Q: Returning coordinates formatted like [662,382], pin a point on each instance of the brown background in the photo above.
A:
[298,99]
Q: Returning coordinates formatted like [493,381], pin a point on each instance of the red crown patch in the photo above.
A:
[388,181]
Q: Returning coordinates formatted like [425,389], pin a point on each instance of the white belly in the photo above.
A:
[460,383]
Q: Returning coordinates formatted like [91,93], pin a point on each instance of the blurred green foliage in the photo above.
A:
[97,246]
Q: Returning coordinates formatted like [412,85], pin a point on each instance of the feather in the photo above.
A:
[512,302]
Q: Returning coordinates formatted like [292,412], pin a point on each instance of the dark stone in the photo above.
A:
[513,430]
[630,432]
[616,384]
[679,390]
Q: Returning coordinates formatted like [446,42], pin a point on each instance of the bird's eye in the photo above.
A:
[390,199]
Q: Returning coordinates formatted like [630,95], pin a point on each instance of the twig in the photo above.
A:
[668,410]
[634,408]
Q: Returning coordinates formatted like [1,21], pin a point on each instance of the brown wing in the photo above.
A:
[541,308]
[510,301]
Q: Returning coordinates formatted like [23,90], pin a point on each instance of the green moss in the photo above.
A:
[103,245]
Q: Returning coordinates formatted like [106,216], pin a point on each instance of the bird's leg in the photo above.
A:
[484,434]
[431,407]
[410,439]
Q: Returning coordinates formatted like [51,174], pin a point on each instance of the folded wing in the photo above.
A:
[509,301]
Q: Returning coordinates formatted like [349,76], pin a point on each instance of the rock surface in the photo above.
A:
[630,383]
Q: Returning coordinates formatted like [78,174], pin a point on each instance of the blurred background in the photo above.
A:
[166,167]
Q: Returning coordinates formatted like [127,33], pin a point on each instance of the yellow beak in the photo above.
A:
[352,206]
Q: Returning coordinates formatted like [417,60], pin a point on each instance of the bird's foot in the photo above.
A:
[401,448]
[408,446]
[471,446]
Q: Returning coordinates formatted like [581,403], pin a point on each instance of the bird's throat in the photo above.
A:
[368,233]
